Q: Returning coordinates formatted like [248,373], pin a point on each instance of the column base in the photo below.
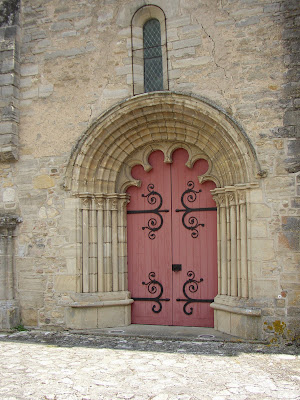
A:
[234,317]
[98,310]
[9,314]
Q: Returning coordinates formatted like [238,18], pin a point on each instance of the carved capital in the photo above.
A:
[231,198]
[241,196]
[99,202]
[85,203]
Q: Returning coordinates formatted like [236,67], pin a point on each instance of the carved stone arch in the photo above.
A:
[154,118]
[99,172]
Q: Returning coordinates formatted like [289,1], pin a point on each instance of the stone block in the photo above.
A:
[291,117]
[32,299]
[8,139]
[222,321]
[265,288]
[43,182]
[45,90]
[30,94]
[182,52]
[9,195]
[254,20]
[7,79]
[109,317]
[83,23]
[115,93]
[191,62]
[177,22]
[65,283]
[288,240]
[29,70]
[29,317]
[9,314]
[262,249]
[81,318]
[61,26]
[258,229]
[245,326]
[259,211]
[185,43]
[31,283]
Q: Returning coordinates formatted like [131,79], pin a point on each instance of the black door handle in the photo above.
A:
[176,267]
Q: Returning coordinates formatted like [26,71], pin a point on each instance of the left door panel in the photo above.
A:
[149,243]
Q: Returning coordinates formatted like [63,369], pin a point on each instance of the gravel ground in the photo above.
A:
[63,365]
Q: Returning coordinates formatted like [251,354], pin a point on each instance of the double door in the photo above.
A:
[172,243]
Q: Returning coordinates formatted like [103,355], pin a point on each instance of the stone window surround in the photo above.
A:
[99,179]
[139,18]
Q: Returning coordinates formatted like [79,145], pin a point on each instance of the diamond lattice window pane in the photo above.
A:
[153,68]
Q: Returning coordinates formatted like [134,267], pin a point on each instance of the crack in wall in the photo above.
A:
[213,53]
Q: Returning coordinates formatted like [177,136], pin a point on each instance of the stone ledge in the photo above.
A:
[100,299]
[101,304]
[250,311]
[8,153]
[235,305]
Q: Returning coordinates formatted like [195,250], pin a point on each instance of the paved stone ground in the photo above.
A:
[58,366]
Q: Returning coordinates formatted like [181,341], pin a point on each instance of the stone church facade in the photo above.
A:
[77,115]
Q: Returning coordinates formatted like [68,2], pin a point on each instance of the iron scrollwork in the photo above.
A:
[154,287]
[154,223]
[191,223]
[191,285]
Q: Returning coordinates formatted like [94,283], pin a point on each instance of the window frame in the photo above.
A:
[139,18]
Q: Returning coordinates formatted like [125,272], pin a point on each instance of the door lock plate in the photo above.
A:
[176,267]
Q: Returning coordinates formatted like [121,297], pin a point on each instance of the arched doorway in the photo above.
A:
[100,172]
[172,243]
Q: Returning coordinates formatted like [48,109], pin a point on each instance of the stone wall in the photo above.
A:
[75,64]
[9,79]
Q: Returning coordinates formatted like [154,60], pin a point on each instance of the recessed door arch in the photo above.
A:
[172,243]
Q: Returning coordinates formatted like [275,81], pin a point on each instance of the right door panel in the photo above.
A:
[194,243]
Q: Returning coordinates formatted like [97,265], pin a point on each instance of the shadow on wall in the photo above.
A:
[9,12]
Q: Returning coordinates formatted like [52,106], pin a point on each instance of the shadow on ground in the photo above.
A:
[117,341]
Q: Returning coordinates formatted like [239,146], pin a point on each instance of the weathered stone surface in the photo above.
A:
[67,366]
[43,182]
[74,61]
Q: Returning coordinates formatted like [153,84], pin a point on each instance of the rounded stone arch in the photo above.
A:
[99,173]
[126,134]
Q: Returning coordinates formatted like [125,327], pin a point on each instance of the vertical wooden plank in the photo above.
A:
[122,242]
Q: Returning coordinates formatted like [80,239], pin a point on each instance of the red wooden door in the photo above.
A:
[172,244]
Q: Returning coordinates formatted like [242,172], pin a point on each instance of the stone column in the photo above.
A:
[233,245]
[9,308]
[234,312]
[104,246]
[103,300]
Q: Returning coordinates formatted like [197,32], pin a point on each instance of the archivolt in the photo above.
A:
[126,134]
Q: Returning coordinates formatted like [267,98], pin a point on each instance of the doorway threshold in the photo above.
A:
[162,332]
